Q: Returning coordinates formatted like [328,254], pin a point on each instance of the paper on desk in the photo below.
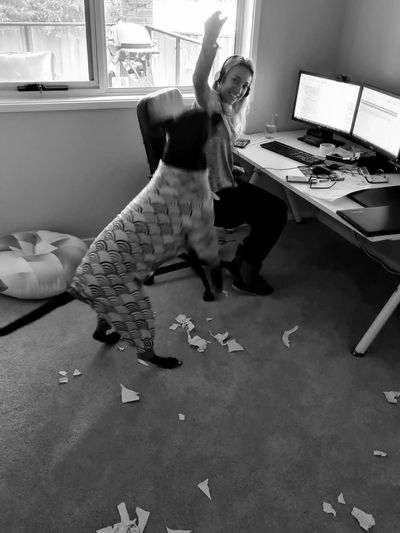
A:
[181,416]
[178,530]
[128,395]
[327,508]
[365,520]
[203,486]
[341,188]
[341,499]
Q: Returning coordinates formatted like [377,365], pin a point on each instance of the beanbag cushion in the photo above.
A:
[38,264]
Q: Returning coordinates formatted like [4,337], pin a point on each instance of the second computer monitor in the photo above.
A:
[377,122]
[326,102]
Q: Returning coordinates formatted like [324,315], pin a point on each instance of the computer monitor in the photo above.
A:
[326,103]
[377,122]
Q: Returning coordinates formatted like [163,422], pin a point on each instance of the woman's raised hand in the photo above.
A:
[212,27]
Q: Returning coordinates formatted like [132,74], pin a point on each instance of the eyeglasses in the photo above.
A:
[321,183]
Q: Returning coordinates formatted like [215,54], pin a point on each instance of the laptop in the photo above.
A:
[377,197]
[374,221]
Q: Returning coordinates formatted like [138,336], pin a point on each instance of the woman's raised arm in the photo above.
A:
[209,48]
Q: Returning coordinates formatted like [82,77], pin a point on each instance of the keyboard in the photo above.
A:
[292,153]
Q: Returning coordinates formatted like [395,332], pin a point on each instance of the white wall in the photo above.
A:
[68,171]
[370,44]
[294,35]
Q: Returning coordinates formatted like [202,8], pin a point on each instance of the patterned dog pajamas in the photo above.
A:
[171,215]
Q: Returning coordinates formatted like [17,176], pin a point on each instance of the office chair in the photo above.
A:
[152,111]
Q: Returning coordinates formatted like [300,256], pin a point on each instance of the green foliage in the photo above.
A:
[42,11]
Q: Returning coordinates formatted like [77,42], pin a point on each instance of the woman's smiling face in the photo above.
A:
[235,84]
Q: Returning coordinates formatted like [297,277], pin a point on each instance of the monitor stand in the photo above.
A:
[377,163]
[316,136]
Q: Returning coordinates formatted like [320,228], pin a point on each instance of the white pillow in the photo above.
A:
[38,264]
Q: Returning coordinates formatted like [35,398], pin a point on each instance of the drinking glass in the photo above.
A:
[271,126]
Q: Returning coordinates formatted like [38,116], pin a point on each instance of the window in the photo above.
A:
[110,47]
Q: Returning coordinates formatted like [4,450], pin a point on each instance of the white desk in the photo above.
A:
[278,167]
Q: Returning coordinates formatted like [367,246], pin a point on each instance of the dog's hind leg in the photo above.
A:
[101,334]
[129,311]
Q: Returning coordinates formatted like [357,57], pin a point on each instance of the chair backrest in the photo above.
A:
[153,111]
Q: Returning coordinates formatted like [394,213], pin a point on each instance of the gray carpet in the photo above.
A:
[276,431]
[13,308]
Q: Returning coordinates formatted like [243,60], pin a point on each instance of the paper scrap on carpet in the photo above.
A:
[128,395]
[203,486]
[327,508]
[365,520]
[285,336]
[392,396]
[127,525]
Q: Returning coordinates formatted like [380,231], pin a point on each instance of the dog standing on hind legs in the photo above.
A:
[172,215]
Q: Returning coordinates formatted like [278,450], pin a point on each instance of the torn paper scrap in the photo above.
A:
[123,513]
[126,525]
[128,395]
[198,341]
[221,337]
[174,326]
[209,319]
[178,530]
[63,379]
[327,508]
[285,336]
[141,362]
[184,322]
[379,453]
[365,520]
[181,416]
[77,372]
[392,396]
[341,499]
[63,373]
[234,346]
[203,486]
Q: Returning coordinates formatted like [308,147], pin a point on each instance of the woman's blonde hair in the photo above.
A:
[240,108]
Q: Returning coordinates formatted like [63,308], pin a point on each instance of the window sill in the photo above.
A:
[76,103]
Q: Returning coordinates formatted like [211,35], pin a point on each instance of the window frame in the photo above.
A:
[96,93]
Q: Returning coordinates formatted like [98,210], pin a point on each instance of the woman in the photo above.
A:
[236,202]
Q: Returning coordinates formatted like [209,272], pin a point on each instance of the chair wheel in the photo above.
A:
[149,281]
[208,296]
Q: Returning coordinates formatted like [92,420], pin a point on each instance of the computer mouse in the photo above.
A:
[318,170]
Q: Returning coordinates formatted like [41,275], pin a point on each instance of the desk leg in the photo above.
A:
[292,205]
[377,324]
